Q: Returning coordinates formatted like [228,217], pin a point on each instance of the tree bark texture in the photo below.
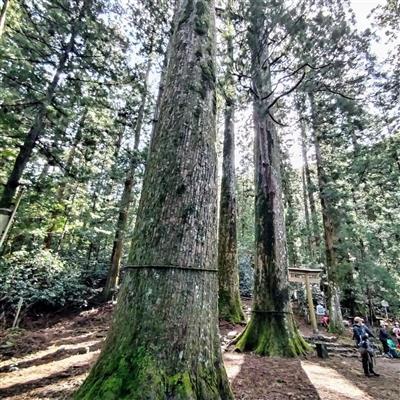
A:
[164,342]
[38,125]
[310,192]
[271,330]
[229,304]
[332,289]
[126,198]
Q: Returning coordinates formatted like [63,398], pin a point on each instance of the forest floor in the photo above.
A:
[51,362]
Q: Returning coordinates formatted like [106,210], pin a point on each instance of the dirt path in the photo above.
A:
[51,363]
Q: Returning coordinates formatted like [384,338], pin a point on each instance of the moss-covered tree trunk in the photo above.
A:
[126,197]
[331,288]
[271,330]
[163,343]
[229,304]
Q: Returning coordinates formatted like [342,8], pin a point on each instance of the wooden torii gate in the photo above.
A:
[307,276]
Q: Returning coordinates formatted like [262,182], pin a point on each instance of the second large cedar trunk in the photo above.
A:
[271,330]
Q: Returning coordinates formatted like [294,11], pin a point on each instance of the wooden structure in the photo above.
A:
[7,217]
[308,276]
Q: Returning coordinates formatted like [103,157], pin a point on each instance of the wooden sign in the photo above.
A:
[299,275]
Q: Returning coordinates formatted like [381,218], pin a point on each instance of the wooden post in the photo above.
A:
[310,304]
[15,323]
[6,228]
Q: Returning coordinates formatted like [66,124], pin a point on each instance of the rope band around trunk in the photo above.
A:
[270,312]
[180,267]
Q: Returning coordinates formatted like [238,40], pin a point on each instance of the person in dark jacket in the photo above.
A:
[367,356]
[383,337]
[359,330]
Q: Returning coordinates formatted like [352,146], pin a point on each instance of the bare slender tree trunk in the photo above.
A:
[271,330]
[310,192]
[306,212]
[164,340]
[62,187]
[126,197]
[229,304]
[332,289]
[3,14]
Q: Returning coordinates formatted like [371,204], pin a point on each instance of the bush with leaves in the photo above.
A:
[42,279]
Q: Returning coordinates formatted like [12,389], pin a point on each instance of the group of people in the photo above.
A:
[361,335]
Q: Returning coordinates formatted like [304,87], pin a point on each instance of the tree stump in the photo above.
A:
[322,350]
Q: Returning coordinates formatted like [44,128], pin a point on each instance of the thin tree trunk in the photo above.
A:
[271,330]
[3,14]
[126,198]
[306,212]
[229,304]
[310,192]
[332,290]
[62,187]
[164,340]
[38,125]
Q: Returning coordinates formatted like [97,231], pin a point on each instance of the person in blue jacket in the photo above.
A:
[359,330]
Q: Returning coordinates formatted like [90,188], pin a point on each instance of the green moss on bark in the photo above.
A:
[202,18]
[187,13]
[273,335]
[230,308]
[137,375]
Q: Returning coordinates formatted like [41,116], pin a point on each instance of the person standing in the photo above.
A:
[383,337]
[359,330]
[367,356]
[320,312]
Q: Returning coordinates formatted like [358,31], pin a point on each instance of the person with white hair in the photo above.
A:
[359,330]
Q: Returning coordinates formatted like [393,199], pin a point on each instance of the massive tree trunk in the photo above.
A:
[126,198]
[332,290]
[229,304]
[271,330]
[37,127]
[164,342]
[3,14]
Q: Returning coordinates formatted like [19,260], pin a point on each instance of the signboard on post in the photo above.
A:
[385,305]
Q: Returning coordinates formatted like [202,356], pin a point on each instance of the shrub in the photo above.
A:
[41,278]
[246,275]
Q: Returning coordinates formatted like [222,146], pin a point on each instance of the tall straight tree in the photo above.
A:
[164,339]
[126,197]
[330,234]
[271,329]
[229,304]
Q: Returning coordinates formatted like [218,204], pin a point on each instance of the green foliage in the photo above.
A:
[41,278]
